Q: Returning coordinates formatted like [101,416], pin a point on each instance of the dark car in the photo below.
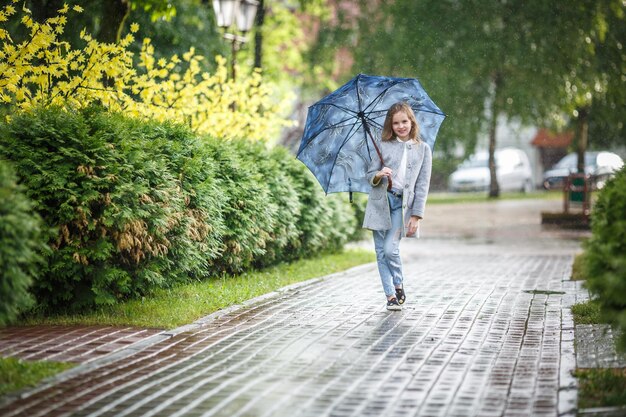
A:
[600,166]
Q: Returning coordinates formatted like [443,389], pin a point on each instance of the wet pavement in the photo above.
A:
[74,344]
[486,331]
[595,347]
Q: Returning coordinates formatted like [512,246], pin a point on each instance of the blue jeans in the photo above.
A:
[387,246]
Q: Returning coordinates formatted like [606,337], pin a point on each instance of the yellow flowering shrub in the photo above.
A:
[43,70]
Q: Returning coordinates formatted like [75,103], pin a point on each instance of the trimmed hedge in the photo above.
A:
[21,246]
[131,206]
[605,253]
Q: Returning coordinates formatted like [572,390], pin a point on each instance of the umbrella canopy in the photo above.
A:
[338,144]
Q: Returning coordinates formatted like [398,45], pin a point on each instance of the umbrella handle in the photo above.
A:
[380,155]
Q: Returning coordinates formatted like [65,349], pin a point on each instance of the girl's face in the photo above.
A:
[401,125]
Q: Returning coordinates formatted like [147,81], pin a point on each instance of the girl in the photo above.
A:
[394,212]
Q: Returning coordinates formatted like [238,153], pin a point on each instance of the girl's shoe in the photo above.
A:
[393,305]
[400,295]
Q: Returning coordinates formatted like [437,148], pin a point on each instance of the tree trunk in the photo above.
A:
[494,187]
[582,136]
[114,13]
[258,36]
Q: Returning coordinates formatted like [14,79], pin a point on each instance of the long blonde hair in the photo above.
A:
[388,128]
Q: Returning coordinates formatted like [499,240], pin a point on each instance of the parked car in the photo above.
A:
[600,166]
[512,170]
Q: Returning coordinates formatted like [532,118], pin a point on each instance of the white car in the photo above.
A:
[513,171]
[600,166]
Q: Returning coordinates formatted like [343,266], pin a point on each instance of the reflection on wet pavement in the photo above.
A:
[486,330]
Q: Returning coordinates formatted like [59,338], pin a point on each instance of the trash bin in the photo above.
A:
[577,190]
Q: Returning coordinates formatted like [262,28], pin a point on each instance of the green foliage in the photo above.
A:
[202,216]
[587,312]
[605,266]
[131,206]
[116,208]
[185,303]
[601,387]
[16,374]
[359,201]
[578,268]
[193,25]
[21,245]
[342,221]
[284,233]
[443,166]
[317,231]
[247,214]
[471,53]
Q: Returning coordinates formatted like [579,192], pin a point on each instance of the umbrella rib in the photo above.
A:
[380,96]
[345,109]
[348,137]
[339,124]
[351,114]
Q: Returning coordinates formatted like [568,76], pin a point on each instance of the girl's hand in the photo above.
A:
[385,172]
[413,226]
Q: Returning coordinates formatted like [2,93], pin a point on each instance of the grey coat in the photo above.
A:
[417,182]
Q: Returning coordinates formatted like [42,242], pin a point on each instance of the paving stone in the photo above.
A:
[595,347]
[486,331]
[78,344]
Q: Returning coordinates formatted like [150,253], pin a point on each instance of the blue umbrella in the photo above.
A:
[338,145]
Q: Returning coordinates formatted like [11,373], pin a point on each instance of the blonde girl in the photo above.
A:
[397,200]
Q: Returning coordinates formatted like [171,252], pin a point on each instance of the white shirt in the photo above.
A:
[398,177]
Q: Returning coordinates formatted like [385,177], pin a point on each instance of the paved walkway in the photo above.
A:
[486,331]
[77,344]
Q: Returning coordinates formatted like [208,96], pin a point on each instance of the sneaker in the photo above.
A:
[400,295]
[393,305]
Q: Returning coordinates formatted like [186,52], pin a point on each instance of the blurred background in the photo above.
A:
[543,77]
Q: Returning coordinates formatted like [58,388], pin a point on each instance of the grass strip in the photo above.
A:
[602,387]
[482,197]
[16,374]
[578,267]
[166,309]
[587,312]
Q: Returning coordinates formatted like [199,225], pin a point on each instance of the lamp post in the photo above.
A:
[235,14]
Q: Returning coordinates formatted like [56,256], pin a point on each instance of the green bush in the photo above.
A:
[317,224]
[605,253]
[442,168]
[247,209]
[359,201]
[116,209]
[202,217]
[21,246]
[130,206]
[284,233]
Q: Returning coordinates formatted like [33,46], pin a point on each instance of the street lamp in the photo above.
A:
[239,12]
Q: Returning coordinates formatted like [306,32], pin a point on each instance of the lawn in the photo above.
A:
[166,309]
[184,304]
[602,387]
[16,374]
[480,197]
